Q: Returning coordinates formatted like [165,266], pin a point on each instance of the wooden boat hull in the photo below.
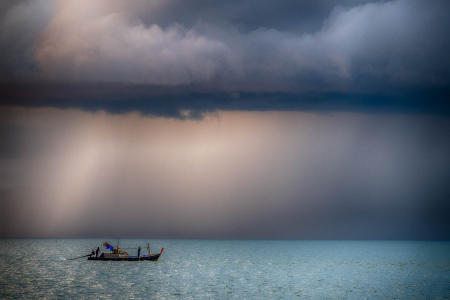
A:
[153,257]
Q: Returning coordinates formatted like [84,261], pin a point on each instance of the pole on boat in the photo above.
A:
[78,257]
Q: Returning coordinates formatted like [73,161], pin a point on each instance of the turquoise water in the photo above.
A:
[222,269]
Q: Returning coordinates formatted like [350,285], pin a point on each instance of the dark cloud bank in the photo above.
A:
[163,57]
[182,102]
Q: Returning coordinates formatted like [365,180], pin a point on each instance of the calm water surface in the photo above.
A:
[210,269]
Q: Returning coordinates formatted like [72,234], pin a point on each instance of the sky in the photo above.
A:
[225,119]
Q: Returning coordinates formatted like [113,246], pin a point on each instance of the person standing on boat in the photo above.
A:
[97,251]
[139,252]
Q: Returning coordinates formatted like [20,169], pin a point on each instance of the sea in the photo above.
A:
[227,269]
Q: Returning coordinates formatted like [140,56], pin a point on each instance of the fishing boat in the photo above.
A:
[117,254]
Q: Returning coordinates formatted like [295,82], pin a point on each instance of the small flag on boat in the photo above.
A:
[108,246]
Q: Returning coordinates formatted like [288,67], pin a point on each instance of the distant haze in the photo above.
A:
[235,175]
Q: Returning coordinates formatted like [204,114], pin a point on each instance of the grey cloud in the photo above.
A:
[246,16]
[372,46]
[21,24]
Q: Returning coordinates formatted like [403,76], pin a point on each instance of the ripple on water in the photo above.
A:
[199,269]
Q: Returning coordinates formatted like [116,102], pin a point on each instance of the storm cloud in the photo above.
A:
[394,50]
[225,119]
